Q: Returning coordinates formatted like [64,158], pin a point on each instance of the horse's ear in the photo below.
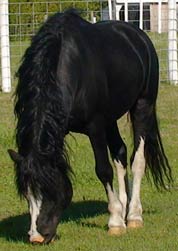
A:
[16,157]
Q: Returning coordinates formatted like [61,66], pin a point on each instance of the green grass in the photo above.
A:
[84,224]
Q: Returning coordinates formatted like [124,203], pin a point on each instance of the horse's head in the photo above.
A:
[48,193]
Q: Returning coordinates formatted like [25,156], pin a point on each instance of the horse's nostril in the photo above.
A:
[46,234]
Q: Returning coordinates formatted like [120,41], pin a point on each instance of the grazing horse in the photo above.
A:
[82,77]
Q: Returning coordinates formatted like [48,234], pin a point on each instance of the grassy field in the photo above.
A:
[84,224]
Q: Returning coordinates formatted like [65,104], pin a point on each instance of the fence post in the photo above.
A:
[5,49]
[141,15]
[160,16]
[172,43]
[126,11]
[110,9]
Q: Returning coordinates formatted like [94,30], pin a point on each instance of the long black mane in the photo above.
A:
[41,114]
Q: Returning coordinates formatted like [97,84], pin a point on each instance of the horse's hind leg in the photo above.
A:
[104,172]
[141,116]
[118,152]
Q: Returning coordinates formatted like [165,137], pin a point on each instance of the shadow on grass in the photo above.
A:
[15,228]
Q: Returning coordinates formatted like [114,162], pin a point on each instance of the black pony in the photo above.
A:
[82,77]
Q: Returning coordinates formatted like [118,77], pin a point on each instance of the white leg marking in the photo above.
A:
[121,172]
[115,209]
[138,170]
[34,207]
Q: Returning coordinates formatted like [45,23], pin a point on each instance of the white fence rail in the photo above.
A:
[20,20]
[5,46]
[172,42]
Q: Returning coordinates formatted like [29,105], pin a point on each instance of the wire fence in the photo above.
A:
[26,18]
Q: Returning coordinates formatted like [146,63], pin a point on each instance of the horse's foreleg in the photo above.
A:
[116,222]
[118,152]
[123,185]
[104,172]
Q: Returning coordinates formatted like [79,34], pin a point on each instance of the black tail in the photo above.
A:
[156,158]
[145,110]
[145,125]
